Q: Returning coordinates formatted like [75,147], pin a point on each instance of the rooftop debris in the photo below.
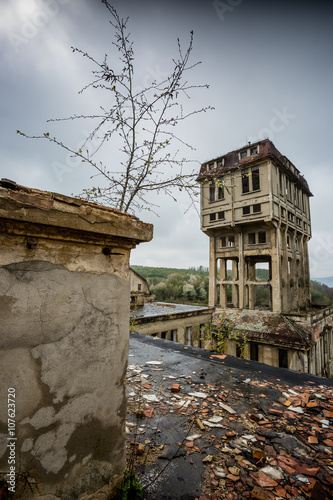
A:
[242,434]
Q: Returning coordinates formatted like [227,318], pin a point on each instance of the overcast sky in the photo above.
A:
[269,67]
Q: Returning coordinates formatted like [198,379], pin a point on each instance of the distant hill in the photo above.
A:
[325,281]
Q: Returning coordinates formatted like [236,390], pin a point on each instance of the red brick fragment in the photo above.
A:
[260,494]
[175,388]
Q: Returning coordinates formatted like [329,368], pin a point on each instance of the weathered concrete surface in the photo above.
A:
[64,324]
[62,349]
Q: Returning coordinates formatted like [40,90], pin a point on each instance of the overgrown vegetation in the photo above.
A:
[220,331]
[131,488]
[191,285]
[177,285]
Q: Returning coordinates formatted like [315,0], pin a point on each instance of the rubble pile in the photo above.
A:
[245,436]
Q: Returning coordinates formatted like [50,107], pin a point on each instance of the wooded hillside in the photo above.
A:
[191,285]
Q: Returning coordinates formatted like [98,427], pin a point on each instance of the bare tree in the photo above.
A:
[145,120]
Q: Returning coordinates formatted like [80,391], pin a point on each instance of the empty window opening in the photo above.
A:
[211,166]
[220,188]
[262,297]
[188,335]
[252,238]
[220,215]
[254,351]
[164,335]
[139,287]
[232,270]
[212,217]
[254,151]
[212,191]
[255,179]
[281,183]
[243,154]
[283,358]
[246,210]
[219,163]
[288,241]
[256,208]
[238,350]
[223,241]
[154,335]
[231,241]
[245,181]
[262,270]
[262,237]
[229,294]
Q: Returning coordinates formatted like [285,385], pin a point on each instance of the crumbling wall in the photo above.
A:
[64,321]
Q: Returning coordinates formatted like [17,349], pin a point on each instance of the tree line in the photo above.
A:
[191,285]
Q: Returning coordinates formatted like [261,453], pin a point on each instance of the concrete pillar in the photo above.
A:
[212,273]
[241,277]
[234,274]
[252,289]
[276,271]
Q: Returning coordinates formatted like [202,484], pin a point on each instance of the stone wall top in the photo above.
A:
[21,206]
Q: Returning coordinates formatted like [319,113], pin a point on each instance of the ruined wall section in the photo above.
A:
[64,322]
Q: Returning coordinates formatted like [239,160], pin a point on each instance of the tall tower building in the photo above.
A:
[255,210]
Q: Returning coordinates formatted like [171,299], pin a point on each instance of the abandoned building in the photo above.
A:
[140,292]
[255,210]
[177,322]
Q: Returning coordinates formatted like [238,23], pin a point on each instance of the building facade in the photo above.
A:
[139,289]
[255,210]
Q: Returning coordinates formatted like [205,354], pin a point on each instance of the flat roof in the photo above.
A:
[151,309]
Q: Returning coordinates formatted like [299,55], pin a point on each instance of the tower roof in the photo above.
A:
[266,149]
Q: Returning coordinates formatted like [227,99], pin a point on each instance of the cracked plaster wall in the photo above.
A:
[64,348]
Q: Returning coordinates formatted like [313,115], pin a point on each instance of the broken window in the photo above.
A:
[212,191]
[243,154]
[245,181]
[223,241]
[256,208]
[255,179]
[246,210]
[188,335]
[254,351]
[283,358]
[252,238]
[220,191]
[211,166]
[281,182]
[212,217]
[220,215]
[254,151]
[231,241]
[261,237]
[139,287]
[290,217]
[219,163]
